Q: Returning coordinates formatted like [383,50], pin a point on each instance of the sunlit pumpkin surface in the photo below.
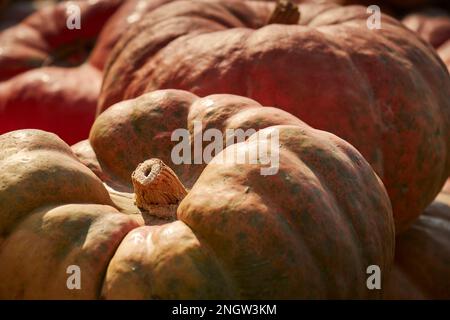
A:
[309,231]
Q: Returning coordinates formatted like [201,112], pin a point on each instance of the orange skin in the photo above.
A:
[59,100]
[444,53]
[31,43]
[433,25]
[422,256]
[309,231]
[45,82]
[329,71]
[130,12]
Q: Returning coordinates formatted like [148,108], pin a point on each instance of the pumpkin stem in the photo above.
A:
[286,12]
[157,189]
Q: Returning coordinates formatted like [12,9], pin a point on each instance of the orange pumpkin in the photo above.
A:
[422,256]
[130,12]
[45,82]
[308,231]
[433,25]
[376,89]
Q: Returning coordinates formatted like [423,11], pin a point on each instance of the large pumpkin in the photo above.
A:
[130,12]
[308,231]
[433,25]
[45,81]
[422,256]
[376,89]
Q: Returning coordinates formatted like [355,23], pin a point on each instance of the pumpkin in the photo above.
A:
[422,256]
[384,91]
[216,230]
[130,12]
[433,25]
[45,82]
[374,88]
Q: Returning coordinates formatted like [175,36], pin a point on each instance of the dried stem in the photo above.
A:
[157,188]
[286,12]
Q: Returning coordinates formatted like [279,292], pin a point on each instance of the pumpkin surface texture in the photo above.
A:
[224,234]
[422,256]
[46,79]
[130,12]
[385,91]
[433,25]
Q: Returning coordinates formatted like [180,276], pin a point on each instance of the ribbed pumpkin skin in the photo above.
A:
[422,256]
[61,97]
[432,25]
[374,88]
[309,231]
[32,42]
[43,228]
[130,12]
[59,100]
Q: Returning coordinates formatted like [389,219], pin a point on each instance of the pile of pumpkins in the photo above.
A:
[88,178]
